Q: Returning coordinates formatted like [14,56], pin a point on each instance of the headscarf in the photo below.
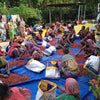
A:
[72,86]
[92,45]
[31,47]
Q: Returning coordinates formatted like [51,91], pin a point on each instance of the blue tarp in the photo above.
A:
[35,78]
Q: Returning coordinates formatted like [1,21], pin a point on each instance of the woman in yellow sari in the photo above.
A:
[11,30]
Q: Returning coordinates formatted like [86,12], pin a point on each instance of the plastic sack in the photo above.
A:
[46,90]
[35,66]
[52,70]
[92,64]
[45,44]
[49,38]
[51,50]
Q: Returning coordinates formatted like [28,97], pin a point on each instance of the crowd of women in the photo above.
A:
[66,35]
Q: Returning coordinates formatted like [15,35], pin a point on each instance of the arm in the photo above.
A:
[59,43]
[61,88]
[8,72]
[69,40]
[81,50]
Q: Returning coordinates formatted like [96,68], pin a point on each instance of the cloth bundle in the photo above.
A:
[92,65]
[52,70]
[46,90]
[48,52]
[35,66]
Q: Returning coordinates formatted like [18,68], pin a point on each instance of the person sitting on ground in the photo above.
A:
[87,31]
[14,93]
[71,90]
[62,42]
[89,36]
[39,36]
[15,50]
[51,32]
[3,64]
[33,51]
[71,35]
[81,32]
[68,65]
[89,48]
[33,39]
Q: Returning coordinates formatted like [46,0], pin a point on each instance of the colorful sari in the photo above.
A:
[22,27]
[92,45]
[31,48]
[12,49]
[11,30]
[72,90]
[3,61]
[24,94]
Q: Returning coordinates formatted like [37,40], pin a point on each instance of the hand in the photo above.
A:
[8,72]
[77,54]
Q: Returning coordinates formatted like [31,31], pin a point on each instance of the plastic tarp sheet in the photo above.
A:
[35,78]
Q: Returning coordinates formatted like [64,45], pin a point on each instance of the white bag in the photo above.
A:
[35,66]
[46,90]
[92,63]
[44,43]
[51,50]
[52,70]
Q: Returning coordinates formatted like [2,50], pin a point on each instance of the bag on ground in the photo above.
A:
[92,64]
[52,70]
[46,90]
[51,50]
[35,66]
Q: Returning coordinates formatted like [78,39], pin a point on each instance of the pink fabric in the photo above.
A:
[17,95]
[92,45]
[12,47]
[72,86]
[1,53]
[26,93]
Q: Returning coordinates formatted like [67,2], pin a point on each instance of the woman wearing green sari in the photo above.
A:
[71,90]
[11,30]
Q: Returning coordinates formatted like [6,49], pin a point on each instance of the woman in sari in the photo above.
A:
[68,65]
[90,48]
[2,29]
[22,27]
[71,90]
[14,50]
[3,64]
[33,51]
[11,30]
[14,93]
[62,42]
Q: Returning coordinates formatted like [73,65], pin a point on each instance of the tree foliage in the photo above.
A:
[34,9]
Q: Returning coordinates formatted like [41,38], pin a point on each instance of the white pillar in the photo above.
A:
[84,12]
[49,16]
[78,12]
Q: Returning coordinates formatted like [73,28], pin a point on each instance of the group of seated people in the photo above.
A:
[18,47]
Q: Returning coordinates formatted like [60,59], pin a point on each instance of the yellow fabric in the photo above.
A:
[29,62]
[52,67]
[88,69]
[28,36]
[44,32]
[79,26]
[43,86]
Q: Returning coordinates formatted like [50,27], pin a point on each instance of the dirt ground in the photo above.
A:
[4,44]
